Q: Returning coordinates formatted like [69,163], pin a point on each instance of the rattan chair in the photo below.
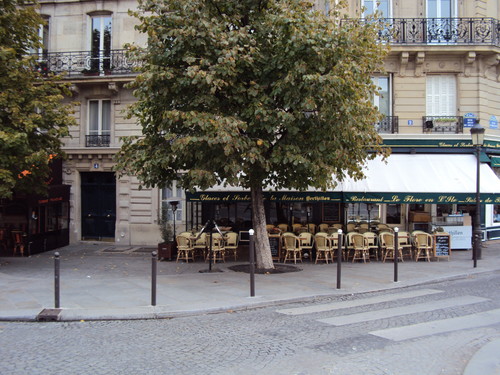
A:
[185,250]
[423,246]
[323,247]
[292,247]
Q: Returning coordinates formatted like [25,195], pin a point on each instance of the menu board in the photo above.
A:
[442,245]
[274,242]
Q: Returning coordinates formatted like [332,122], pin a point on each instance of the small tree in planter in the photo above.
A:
[166,249]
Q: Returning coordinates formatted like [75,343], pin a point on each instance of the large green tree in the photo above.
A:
[253,94]
[32,118]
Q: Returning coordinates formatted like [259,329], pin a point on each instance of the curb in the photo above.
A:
[162,312]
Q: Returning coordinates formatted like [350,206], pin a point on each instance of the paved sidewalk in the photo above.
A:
[104,281]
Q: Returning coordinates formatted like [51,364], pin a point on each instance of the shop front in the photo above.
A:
[426,192]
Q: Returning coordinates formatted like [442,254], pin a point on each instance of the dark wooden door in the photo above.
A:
[98,205]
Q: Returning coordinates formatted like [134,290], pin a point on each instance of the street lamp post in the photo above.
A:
[477,134]
[173,205]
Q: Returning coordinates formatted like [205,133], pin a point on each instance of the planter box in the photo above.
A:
[167,251]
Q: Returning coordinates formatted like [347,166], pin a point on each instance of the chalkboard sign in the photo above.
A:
[274,242]
[442,245]
[331,212]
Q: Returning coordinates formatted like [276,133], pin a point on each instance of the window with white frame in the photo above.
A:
[100,42]
[170,194]
[441,8]
[441,95]
[99,117]
[43,35]
[383,7]
[383,100]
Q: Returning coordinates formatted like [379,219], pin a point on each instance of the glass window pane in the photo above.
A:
[496,213]
[106,117]
[93,117]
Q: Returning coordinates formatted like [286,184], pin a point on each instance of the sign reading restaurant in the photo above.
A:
[380,198]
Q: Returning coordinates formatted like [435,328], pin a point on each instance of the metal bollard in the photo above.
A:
[339,258]
[251,251]
[396,253]
[57,272]
[154,266]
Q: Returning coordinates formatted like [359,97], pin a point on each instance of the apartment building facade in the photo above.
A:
[442,75]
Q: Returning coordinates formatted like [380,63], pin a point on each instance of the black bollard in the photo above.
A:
[251,252]
[57,272]
[154,266]
[396,253]
[339,258]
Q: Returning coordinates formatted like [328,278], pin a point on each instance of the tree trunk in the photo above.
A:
[263,254]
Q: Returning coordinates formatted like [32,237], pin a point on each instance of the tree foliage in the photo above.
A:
[253,94]
[32,118]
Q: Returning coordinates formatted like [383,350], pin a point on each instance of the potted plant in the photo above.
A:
[167,248]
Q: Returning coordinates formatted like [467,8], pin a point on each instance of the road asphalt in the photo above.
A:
[101,281]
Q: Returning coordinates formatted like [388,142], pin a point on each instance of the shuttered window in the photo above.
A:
[441,95]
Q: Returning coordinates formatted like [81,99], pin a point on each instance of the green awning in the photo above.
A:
[404,179]
[495,161]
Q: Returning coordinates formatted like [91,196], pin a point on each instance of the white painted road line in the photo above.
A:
[402,310]
[481,319]
[358,302]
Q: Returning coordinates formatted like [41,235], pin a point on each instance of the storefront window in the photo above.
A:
[362,211]
[393,214]
[169,194]
[496,213]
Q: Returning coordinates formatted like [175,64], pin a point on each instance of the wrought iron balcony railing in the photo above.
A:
[465,31]
[388,125]
[97,140]
[86,63]
[443,124]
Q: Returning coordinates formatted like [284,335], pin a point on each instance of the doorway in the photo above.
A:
[98,206]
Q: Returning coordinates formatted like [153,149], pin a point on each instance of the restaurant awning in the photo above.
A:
[404,178]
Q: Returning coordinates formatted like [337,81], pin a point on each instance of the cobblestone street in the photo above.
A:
[301,338]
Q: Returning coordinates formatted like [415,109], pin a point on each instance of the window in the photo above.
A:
[362,211]
[441,8]
[43,34]
[496,213]
[170,194]
[393,214]
[441,97]
[99,130]
[100,117]
[100,43]
[441,28]
[383,99]
[381,6]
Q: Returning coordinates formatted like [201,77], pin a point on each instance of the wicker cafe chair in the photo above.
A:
[405,244]
[359,249]
[306,243]
[323,249]
[200,246]
[185,251]
[371,244]
[218,248]
[292,248]
[323,227]
[283,227]
[387,246]
[423,246]
[17,238]
[231,244]
[311,228]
